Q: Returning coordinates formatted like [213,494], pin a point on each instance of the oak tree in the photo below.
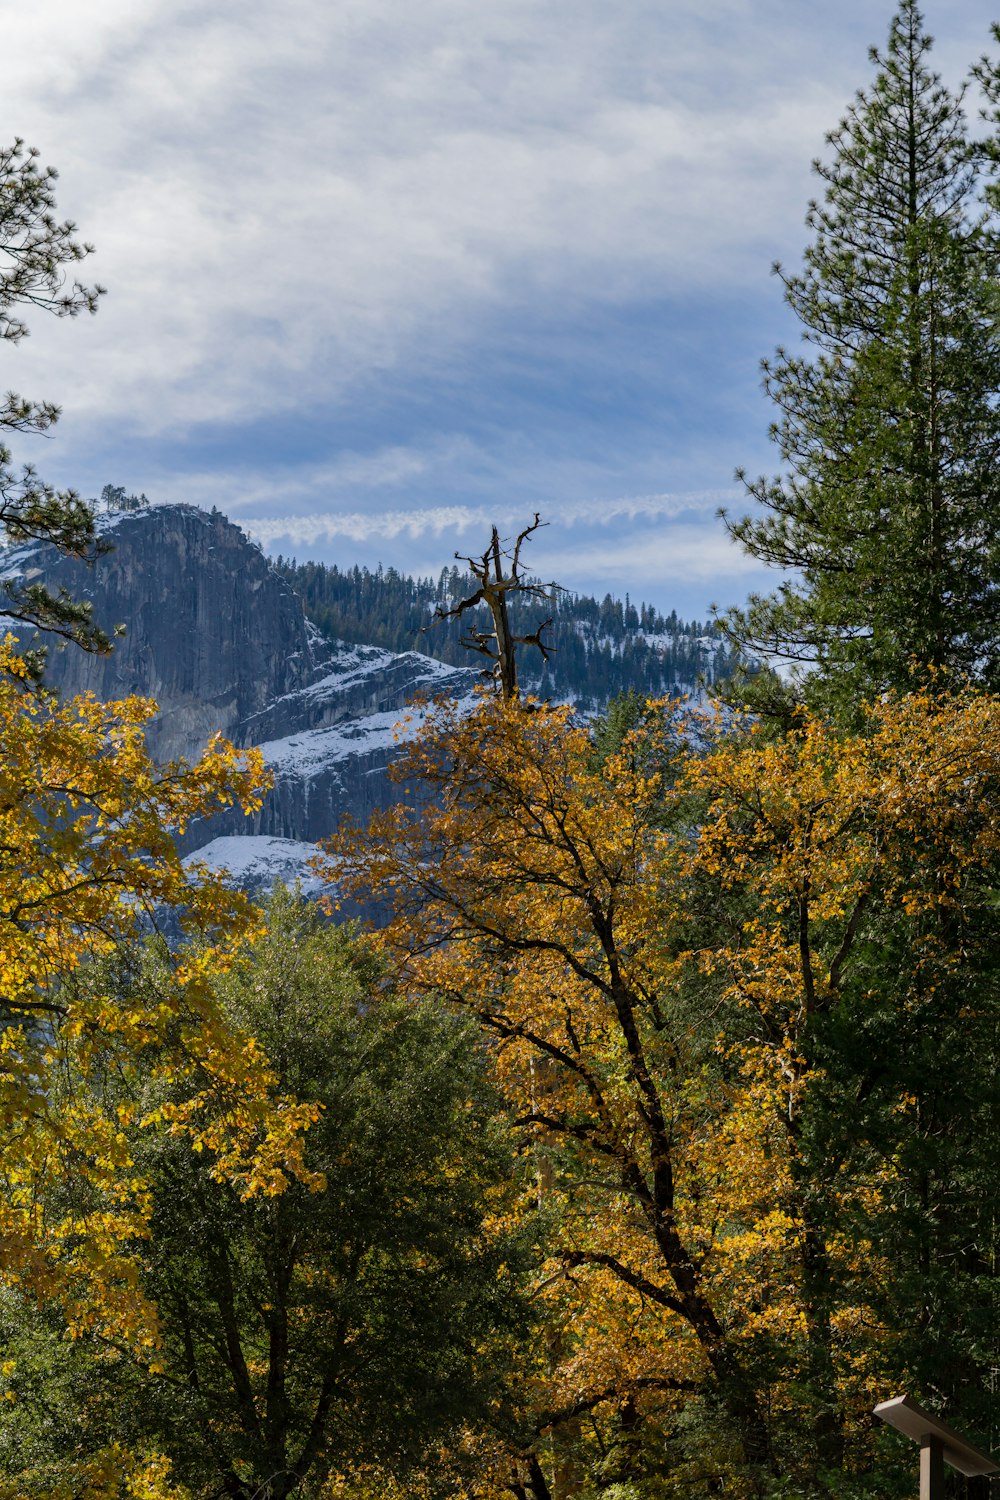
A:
[717,983]
[87,861]
[533,890]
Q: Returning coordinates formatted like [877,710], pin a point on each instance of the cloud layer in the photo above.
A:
[380,257]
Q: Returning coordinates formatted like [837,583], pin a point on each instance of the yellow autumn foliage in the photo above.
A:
[646,940]
[541,892]
[87,862]
[111,1474]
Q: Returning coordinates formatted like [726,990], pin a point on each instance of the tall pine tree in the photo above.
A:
[37,251]
[887,513]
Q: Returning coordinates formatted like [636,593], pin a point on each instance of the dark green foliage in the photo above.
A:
[625,715]
[599,649]
[115,498]
[908,1075]
[35,250]
[314,1330]
[888,512]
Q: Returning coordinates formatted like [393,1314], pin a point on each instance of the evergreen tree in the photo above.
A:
[35,252]
[888,516]
[599,649]
[888,513]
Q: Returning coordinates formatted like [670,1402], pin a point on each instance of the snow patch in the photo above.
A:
[314,750]
[254,862]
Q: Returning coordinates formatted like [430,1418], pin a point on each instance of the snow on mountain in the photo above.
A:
[314,749]
[220,641]
[255,863]
[217,636]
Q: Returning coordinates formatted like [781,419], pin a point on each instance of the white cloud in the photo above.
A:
[310,207]
[358,526]
[364,526]
[289,199]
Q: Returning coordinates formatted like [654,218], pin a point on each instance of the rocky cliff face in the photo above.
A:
[221,643]
[211,632]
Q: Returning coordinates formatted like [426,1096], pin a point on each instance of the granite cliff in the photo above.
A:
[220,641]
[210,631]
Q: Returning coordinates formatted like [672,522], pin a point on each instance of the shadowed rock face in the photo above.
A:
[222,645]
[212,633]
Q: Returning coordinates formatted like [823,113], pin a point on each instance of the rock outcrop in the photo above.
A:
[222,644]
[211,632]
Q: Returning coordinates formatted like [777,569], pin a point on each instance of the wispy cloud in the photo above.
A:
[289,200]
[365,526]
[671,560]
[384,273]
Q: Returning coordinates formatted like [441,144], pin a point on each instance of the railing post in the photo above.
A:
[931,1469]
[939,1445]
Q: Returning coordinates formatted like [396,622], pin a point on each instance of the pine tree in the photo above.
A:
[888,512]
[35,250]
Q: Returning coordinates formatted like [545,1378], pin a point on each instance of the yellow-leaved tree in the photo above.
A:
[861,871]
[542,892]
[677,949]
[88,865]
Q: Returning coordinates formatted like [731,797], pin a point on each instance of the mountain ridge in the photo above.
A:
[599,648]
[222,644]
[216,634]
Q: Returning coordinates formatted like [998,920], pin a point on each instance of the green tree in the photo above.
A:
[888,512]
[316,1331]
[888,515]
[37,252]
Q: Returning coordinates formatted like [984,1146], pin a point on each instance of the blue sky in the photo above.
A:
[381,272]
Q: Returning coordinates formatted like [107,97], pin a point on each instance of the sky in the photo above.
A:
[382,273]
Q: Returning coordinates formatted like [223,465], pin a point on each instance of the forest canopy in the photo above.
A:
[644,1136]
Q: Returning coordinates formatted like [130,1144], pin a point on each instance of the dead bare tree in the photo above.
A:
[500,643]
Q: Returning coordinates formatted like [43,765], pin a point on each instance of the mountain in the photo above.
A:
[219,639]
[218,636]
[599,648]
